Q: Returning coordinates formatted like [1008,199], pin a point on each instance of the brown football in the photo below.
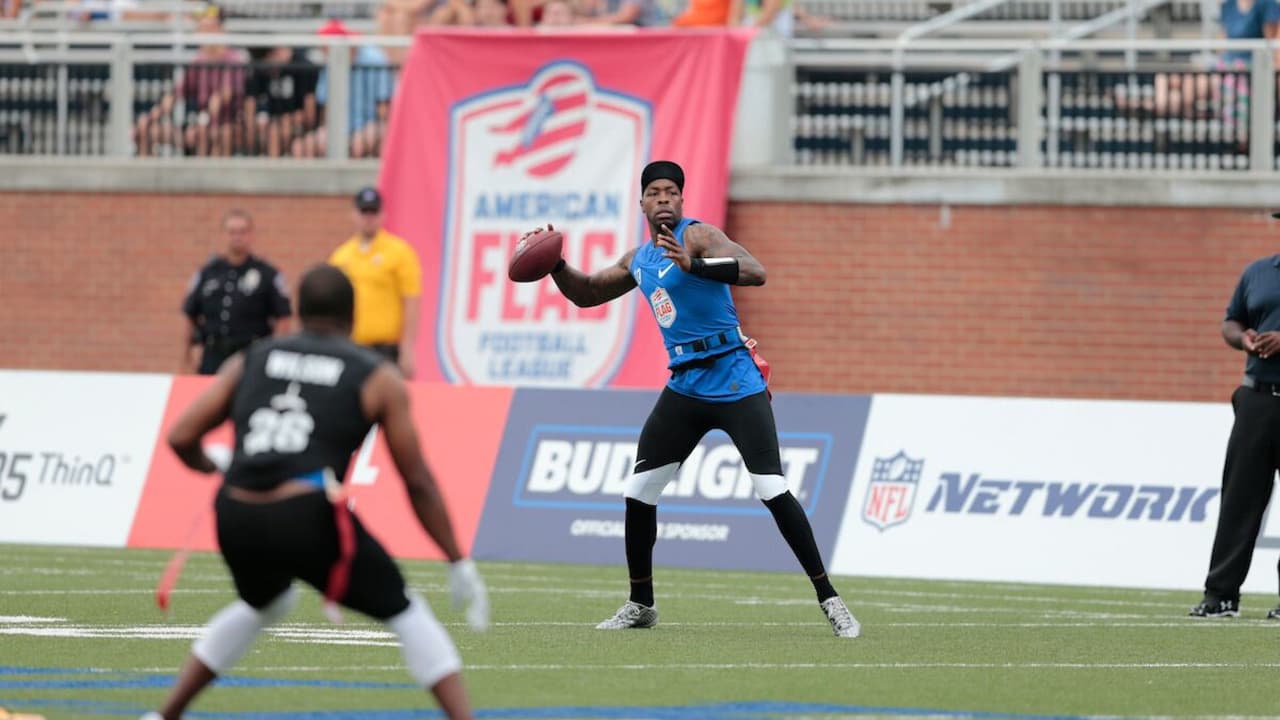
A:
[535,256]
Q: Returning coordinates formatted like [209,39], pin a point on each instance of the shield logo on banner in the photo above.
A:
[557,149]
[892,490]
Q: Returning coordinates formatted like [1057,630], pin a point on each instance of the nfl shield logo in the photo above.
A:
[892,490]
[554,149]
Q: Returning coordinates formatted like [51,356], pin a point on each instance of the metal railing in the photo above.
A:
[153,95]
[1003,18]
[1088,104]
[1104,104]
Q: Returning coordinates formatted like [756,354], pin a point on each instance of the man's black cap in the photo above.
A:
[368,199]
[662,170]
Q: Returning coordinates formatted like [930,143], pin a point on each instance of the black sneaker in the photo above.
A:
[1219,608]
[1273,613]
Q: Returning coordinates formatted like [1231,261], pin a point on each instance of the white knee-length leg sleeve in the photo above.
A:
[229,634]
[648,485]
[427,648]
[768,487]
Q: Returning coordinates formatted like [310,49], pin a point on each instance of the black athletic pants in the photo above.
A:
[678,422]
[1253,455]
[267,545]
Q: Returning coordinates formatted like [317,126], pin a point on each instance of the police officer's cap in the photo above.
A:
[368,199]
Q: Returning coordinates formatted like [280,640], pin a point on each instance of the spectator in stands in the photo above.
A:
[781,16]
[387,277]
[212,91]
[372,84]
[453,12]
[1242,20]
[475,13]
[709,13]
[492,14]
[1224,93]
[10,8]
[401,17]
[557,13]
[115,11]
[280,100]
[644,13]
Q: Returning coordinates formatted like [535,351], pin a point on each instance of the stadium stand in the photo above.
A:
[946,90]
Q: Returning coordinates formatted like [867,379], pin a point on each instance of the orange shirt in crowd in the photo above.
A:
[704,13]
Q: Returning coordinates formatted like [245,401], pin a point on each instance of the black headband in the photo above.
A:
[662,170]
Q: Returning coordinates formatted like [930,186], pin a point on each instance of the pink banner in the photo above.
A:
[493,134]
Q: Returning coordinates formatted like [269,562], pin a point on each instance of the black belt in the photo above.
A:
[1272,388]
[706,343]
[227,345]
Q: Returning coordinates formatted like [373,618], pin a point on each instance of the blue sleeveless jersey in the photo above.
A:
[698,321]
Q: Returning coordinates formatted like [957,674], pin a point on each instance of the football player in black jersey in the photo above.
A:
[301,405]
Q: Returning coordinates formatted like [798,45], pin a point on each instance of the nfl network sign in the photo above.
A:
[556,149]
[1036,490]
[565,458]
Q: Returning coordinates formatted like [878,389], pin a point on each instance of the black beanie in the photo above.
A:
[662,170]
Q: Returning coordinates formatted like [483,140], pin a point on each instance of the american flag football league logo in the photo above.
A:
[892,490]
[553,149]
[546,132]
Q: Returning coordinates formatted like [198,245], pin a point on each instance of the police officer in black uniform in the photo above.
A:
[234,299]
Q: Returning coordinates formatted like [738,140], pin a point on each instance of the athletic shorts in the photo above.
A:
[266,546]
[678,422]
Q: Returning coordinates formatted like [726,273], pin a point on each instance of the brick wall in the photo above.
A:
[1013,300]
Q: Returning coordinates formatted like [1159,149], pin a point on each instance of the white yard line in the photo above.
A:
[557,667]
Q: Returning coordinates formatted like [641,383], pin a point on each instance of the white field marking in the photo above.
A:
[61,553]
[539,577]
[320,636]
[325,635]
[266,670]
[610,590]
[116,591]
[114,574]
[1070,613]
[433,582]
[588,594]
[14,619]
[884,666]
[536,572]
[922,607]
[556,667]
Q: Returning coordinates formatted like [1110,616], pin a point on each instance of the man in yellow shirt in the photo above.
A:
[387,276]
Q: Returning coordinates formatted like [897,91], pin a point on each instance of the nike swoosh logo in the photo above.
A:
[665,270]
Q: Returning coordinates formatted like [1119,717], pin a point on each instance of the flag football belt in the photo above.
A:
[708,343]
[340,571]
[761,363]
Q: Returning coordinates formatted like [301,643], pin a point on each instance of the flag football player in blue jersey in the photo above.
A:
[685,272]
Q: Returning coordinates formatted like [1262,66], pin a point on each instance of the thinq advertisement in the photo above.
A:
[557,487]
[75,449]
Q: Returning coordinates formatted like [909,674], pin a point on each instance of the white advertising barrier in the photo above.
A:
[74,453]
[1052,491]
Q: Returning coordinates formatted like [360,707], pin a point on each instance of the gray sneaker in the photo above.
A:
[632,615]
[843,623]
